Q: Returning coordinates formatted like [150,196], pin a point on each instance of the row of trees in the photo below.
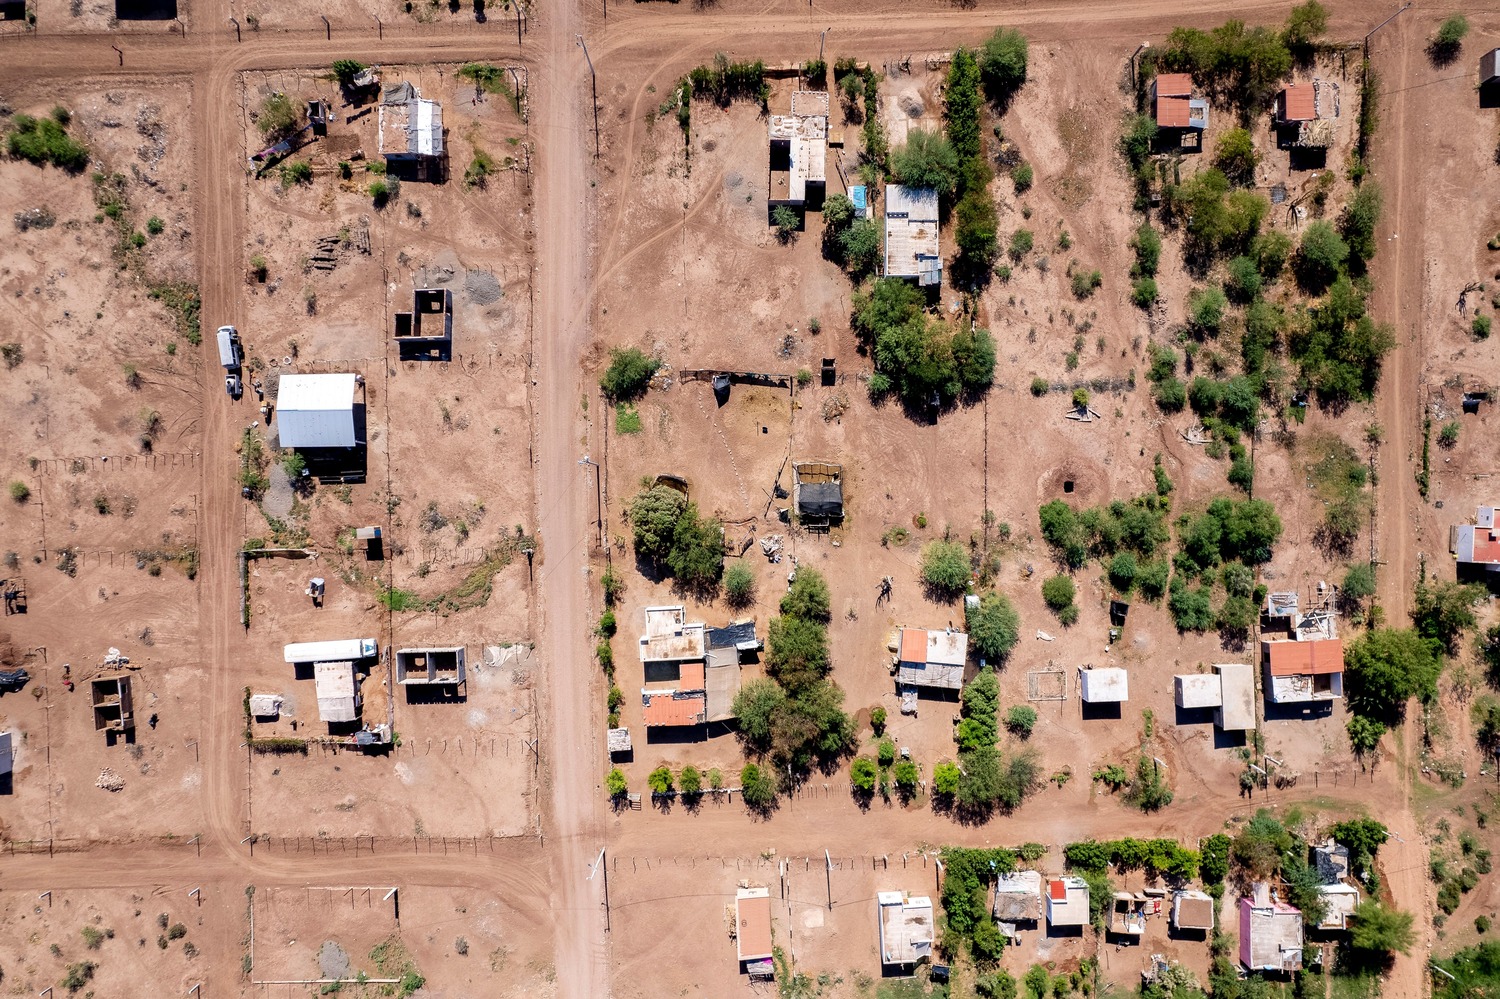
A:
[984,779]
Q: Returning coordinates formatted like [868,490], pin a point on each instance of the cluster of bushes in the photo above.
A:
[795,717]
[1338,345]
[860,89]
[1339,478]
[629,374]
[1154,856]
[917,357]
[983,779]
[1456,875]
[1227,531]
[1217,219]
[849,241]
[671,535]
[1237,64]
[1058,592]
[725,81]
[46,140]
[868,774]
[1138,526]
[969,874]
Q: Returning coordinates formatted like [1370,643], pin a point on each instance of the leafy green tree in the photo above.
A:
[659,781]
[807,597]
[973,354]
[1021,242]
[1206,309]
[1444,46]
[629,374]
[1485,717]
[616,784]
[697,554]
[907,775]
[1058,592]
[945,568]
[277,118]
[1487,647]
[1061,530]
[654,513]
[1215,859]
[345,70]
[757,788]
[1271,250]
[1170,395]
[1137,138]
[1238,64]
[739,585]
[926,160]
[945,779]
[1381,931]
[1359,581]
[961,102]
[1358,221]
[1002,62]
[787,221]
[994,627]
[1244,280]
[796,652]
[1321,257]
[976,232]
[1304,24]
[1364,734]
[861,244]
[864,775]
[1020,720]
[1122,571]
[1146,242]
[1235,155]
[1443,611]
[1191,607]
[756,706]
[1386,667]
[978,728]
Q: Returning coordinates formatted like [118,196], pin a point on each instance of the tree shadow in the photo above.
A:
[1443,54]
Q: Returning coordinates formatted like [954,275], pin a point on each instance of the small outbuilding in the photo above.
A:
[114,708]
[1175,110]
[411,129]
[906,928]
[427,330]
[430,667]
[1192,910]
[1068,901]
[316,411]
[1018,897]
[1489,79]
[265,706]
[1195,691]
[819,495]
[7,754]
[1107,685]
[338,692]
[1237,688]
[1339,901]
[1127,914]
[752,930]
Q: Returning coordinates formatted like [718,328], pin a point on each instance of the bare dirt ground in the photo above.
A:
[644,242]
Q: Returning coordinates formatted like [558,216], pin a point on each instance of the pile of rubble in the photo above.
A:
[771,546]
[110,781]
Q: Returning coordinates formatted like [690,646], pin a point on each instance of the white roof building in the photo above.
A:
[1107,685]
[7,754]
[314,411]
[911,234]
[1068,901]
[338,691]
[802,137]
[669,637]
[410,124]
[1197,690]
[1339,901]
[932,658]
[905,927]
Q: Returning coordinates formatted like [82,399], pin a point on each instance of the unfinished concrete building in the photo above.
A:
[430,667]
[114,711]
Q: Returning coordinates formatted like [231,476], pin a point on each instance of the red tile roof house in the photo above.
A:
[1477,545]
[1270,932]
[1301,671]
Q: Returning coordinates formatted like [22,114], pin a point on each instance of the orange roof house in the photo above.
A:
[1172,103]
[674,708]
[1297,103]
[752,925]
[1298,671]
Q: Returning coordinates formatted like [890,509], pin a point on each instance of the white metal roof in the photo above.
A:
[1105,685]
[316,410]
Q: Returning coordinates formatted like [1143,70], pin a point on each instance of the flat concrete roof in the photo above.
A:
[1197,690]
[1068,901]
[911,234]
[1106,685]
[905,927]
[669,637]
[1237,684]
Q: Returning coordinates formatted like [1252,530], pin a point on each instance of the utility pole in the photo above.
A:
[594,89]
[828,874]
[598,496]
[601,864]
[821,39]
[1134,83]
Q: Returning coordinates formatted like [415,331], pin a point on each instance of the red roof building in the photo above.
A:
[1297,103]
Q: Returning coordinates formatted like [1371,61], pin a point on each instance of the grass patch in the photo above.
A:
[480,167]
[278,745]
[393,598]
[46,140]
[627,419]
[181,299]
[491,79]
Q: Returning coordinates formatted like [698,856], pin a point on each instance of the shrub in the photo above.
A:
[380,193]
[1021,176]
[1481,327]
[1358,220]
[155,225]
[787,222]
[1122,571]
[345,70]
[691,781]
[946,777]
[877,720]
[1040,386]
[1084,283]
[20,491]
[629,374]
[1321,257]
[1448,436]
[1002,63]
[1206,309]
[1020,720]
[1270,250]
[1170,395]
[945,568]
[659,781]
[1450,35]
[975,231]
[45,140]
[757,787]
[927,159]
[1058,592]
[78,975]
[616,784]
[807,598]
[297,172]
[1021,242]
[277,118]
[739,585]
[1244,279]
[1235,155]
[1143,292]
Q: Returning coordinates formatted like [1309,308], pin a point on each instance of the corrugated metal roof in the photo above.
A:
[1173,112]
[914,645]
[1172,85]
[752,937]
[667,708]
[1318,656]
[1298,103]
[315,411]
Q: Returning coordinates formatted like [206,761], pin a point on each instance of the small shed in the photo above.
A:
[430,667]
[316,411]
[932,658]
[1192,910]
[1068,901]
[752,926]
[1331,858]
[1127,914]
[338,691]
[7,754]
[619,741]
[1018,897]
[1197,690]
[819,498]
[1339,901]
[905,928]
[1296,103]
[1489,79]
[1107,685]
[265,705]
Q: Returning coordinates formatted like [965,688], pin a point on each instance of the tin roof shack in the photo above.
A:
[338,692]
[316,411]
[411,133]
[911,235]
[905,928]
[1107,685]
[669,637]
[1192,911]
[1067,901]
[426,332]
[1332,861]
[1306,116]
[1303,671]
[1270,932]
[7,761]
[1476,546]
[1018,897]
[799,153]
[431,667]
[819,496]
[752,930]
[1489,79]
[932,660]
[114,710]
[1127,915]
[727,648]
[1180,117]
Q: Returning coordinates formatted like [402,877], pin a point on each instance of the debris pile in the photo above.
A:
[40,217]
[771,546]
[110,781]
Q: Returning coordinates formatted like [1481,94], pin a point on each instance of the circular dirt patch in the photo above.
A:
[1080,483]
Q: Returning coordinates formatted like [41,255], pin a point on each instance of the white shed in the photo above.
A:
[316,411]
[1198,690]
[1109,685]
[338,691]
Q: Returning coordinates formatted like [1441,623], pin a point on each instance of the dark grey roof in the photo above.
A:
[731,635]
[821,498]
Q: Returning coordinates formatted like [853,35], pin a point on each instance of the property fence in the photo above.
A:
[157,461]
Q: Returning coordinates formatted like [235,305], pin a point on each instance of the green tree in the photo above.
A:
[615,783]
[659,781]
[994,627]
[1020,720]
[1386,667]
[1215,859]
[654,514]
[1244,280]
[1449,39]
[1271,250]
[1021,242]
[945,779]
[1304,24]
[926,160]
[1058,592]
[1443,611]
[1380,931]
[691,782]
[976,232]
[697,554]
[961,105]
[1359,581]
[1487,647]
[1364,734]
[1137,138]
[907,775]
[973,353]
[1002,61]
[787,221]
[1122,571]
[345,70]
[1235,155]
[755,707]
[1146,242]
[945,568]
[629,374]
[277,118]
[739,585]
[1358,221]
[1321,257]
[861,244]
[1206,309]
[807,597]
[864,775]
[757,788]
[796,652]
